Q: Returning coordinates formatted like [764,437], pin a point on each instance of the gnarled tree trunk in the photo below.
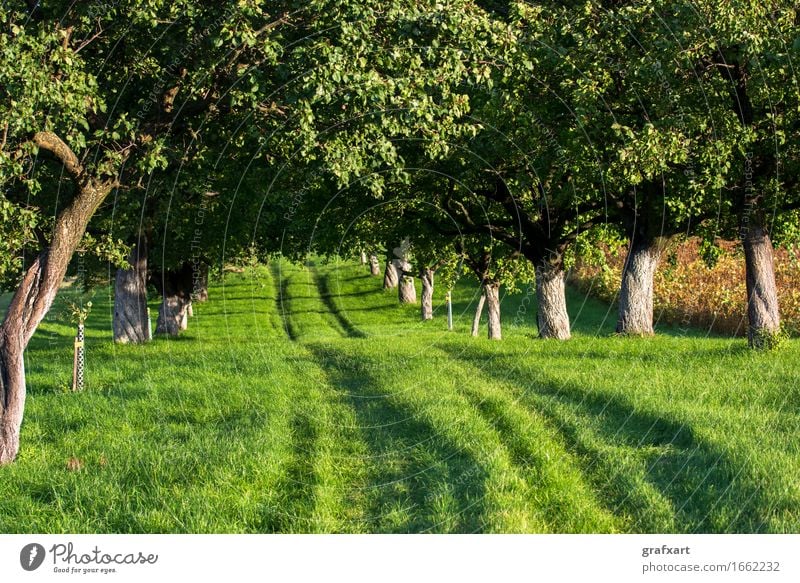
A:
[390,275]
[35,294]
[12,390]
[426,275]
[176,288]
[130,298]
[476,320]
[172,314]
[762,294]
[552,316]
[374,266]
[636,291]
[406,291]
[491,289]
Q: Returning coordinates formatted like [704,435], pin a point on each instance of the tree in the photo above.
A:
[105,127]
[131,317]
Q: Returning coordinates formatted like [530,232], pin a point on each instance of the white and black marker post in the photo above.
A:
[449,311]
[79,362]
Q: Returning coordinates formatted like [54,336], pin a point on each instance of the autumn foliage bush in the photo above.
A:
[690,292]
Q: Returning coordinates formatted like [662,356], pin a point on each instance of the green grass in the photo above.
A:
[305,399]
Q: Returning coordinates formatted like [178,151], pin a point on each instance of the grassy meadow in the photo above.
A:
[305,399]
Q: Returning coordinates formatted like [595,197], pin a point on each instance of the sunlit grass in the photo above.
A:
[305,399]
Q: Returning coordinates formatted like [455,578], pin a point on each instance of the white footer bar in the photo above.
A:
[400,558]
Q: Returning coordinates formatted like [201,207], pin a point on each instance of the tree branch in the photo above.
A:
[52,143]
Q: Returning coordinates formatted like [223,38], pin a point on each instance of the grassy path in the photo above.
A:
[305,399]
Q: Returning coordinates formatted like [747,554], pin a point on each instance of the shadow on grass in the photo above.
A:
[706,492]
[412,466]
[327,298]
[281,297]
[296,486]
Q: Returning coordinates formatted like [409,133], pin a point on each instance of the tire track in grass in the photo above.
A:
[281,296]
[614,475]
[418,478]
[316,492]
[323,287]
[283,482]
[309,315]
[563,498]
[327,454]
[294,505]
[654,470]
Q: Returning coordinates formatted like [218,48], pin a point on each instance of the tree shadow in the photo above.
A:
[412,466]
[327,298]
[281,296]
[296,486]
[625,447]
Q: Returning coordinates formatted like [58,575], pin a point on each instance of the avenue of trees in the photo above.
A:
[433,139]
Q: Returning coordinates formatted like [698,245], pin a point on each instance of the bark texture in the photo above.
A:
[130,298]
[476,320]
[172,314]
[636,291]
[200,283]
[12,383]
[491,290]
[552,316]
[390,276]
[374,265]
[426,276]
[406,291]
[762,293]
[175,287]
[35,294]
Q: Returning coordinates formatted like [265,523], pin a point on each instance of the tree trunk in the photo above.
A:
[35,294]
[491,289]
[374,265]
[390,276]
[762,295]
[636,291]
[363,258]
[12,389]
[172,315]
[200,283]
[189,310]
[406,291]
[130,298]
[476,320]
[426,275]
[175,287]
[552,316]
